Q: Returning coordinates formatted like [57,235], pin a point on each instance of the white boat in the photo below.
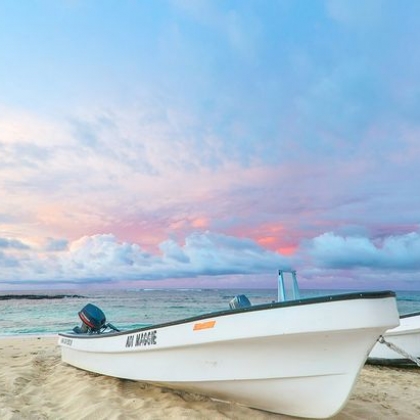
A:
[299,358]
[401,344]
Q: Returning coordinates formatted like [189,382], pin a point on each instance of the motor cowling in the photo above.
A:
[239,301]
[93,320]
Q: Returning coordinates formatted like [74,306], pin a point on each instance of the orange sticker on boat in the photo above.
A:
[204,325]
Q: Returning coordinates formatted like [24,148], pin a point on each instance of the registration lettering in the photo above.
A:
[143,339]
[67,341]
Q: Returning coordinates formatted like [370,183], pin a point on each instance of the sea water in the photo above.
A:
[133,308]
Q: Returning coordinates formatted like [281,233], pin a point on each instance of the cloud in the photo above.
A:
[56,244]
[393,252]
[8,262]
[264,120]
[101,258]
[236,26]
[365,14]
[12,243]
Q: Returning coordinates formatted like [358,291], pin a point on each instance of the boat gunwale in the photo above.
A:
[409,315]
[398,362]
[260,307]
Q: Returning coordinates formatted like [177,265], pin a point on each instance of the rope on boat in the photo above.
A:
[399,350]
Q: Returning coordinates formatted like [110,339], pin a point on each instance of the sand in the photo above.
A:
[35,384]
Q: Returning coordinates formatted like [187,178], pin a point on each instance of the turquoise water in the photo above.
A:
[137,307]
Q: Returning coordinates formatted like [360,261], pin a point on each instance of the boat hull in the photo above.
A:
[406,337]
[297,358]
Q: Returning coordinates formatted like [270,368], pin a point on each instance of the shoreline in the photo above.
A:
[35,384]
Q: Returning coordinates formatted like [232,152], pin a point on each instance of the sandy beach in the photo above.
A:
[35,384]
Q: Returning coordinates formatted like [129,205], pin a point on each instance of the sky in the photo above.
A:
[194,143]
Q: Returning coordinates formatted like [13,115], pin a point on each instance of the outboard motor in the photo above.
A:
[239,301]
[93,321]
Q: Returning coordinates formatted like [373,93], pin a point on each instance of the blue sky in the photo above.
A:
[209,143]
